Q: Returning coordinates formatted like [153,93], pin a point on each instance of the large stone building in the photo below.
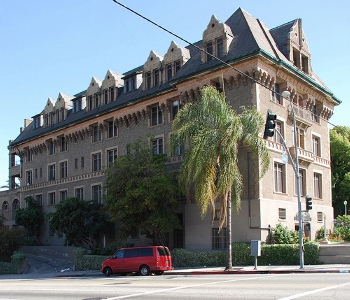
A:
[61,151]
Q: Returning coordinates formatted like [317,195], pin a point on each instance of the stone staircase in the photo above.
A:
[335,253]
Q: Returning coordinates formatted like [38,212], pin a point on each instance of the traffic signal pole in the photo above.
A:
[295,165]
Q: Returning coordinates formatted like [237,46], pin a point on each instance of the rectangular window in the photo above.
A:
[156,116]
[209,49]
[169,71]
[300,138]
[112,155]
[36,173]
[316,145]
[52,172]
[302,182]
[51,198]
[276,94]
[57,115]
[63,195]
[276,137]
[175,107]
[319,216]
[39,199]
[96,100]
[179,150]
[218,239]
[315,116]
[29,155]
[90,103]
[96,162]
[79,193]
[177,66]
[318,185]
[64,169]
[41,172]
[96,134]
[97,193]
[219,47]
[279,178]
[148,80]
[52,148]
[76,163]
[77,105]
[105,96]
[82,162]
[112,129]
[111,94]
[282,214]
[29,177]
[157,146]
[64,144]
[156,77]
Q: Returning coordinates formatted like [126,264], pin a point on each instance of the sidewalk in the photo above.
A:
[334,268]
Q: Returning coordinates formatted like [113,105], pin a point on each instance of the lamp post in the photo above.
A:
[345,203]
[286,95]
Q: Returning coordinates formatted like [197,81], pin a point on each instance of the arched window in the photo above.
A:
[5,206]
[15,204]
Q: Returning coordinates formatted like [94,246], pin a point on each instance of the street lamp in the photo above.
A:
[345,203]
[286,95]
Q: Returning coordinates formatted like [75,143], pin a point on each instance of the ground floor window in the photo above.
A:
[218,239]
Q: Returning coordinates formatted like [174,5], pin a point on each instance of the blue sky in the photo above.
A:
[48,47]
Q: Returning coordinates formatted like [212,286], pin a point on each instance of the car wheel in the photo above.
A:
[159,272]
[107,271]
[144,270]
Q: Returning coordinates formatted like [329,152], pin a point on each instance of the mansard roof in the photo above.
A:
[250,37]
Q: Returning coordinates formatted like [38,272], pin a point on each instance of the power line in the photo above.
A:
[202,50]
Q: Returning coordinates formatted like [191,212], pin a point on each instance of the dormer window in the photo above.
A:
[77,105]
[111,93]
[219,47]
[148,80]
[177,66]
[105,96]
[38,121]
[96,100]
[169,71]
[156,77]
[90,103]
[209,49]
[305,63]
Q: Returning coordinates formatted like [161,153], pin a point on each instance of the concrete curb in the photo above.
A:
[214,272]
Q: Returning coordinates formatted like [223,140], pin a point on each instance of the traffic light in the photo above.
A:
[270,124]
[308,202]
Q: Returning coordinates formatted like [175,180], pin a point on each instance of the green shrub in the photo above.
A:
[279,254]
[18,265]
[83,260]
[10,241]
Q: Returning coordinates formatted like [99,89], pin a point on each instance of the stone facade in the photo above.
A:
[65,147]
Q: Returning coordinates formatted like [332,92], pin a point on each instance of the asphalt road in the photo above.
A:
[198,287]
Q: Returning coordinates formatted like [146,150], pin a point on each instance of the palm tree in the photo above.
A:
[214,132]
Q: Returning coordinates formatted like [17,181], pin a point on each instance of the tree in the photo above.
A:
[82,222]
[10,241]
[214,133]
[340,152]
[141,194]
[31,217]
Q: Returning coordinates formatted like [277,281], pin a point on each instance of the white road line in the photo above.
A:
[296,296]
[182,287]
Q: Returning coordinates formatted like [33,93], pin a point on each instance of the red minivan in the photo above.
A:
[144,260]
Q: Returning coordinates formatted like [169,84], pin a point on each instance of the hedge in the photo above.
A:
[18,265]
[279,254]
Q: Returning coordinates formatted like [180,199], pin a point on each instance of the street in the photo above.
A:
[250,286]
